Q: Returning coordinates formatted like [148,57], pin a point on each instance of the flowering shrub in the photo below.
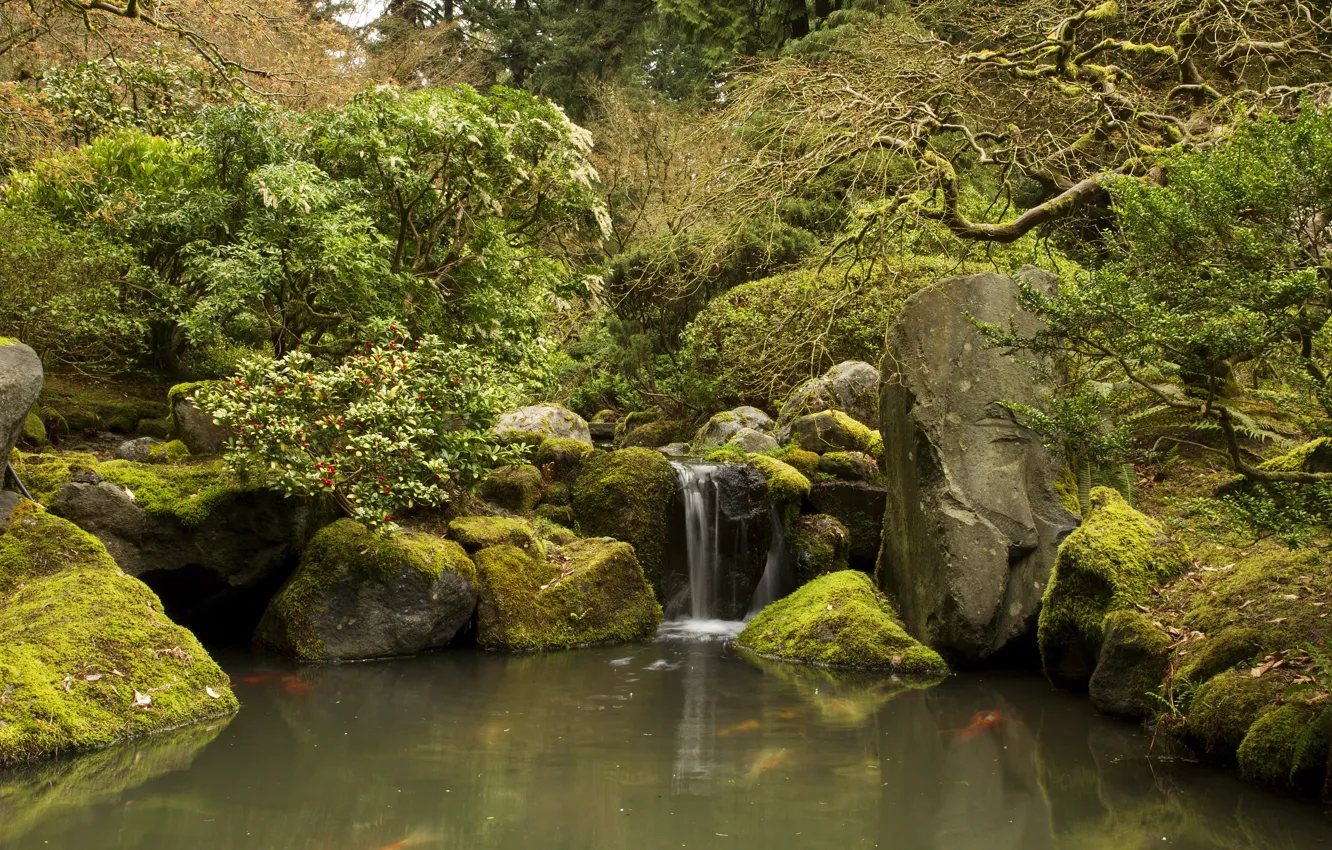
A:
[398,425]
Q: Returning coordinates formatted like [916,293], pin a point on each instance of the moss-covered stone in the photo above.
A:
[514,488]
[480,532]
[172,452]
[159,429]
[45,474]
[1223,709]
[833,430]
[87,655]
[359,593]
[593,593]
[1309,767]
[631,422]
[557,493]
[1313,456]
[189,493]
[784,482]
[560,514]
[1201,660]
[563,457]
[839,620]
[849,466]
[802,461]
[1267,753]
[1131,667]
[76,404]
[34,432]
[662,432]
[821,545]
[606,416]
[1111,562]
[627,495]
[554,532]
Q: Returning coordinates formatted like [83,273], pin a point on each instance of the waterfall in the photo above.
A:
[778,573]
[702,541]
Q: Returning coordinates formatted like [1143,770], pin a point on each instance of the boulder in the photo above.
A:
[20,384]
[752,442]
[860,508]
[1224,708]
[1112,562]
[1131,667]
[804,462]
[839,620]
[849,466]
[192,425]
[785,484]
[591,592]
[137,450]
[514,488]
[1288,747]
[627,495]
[563,457]
[662,432]
[361,594]
[832,431]
[34,431]
[87,654]
[973,520]
[540,421]
[479,532]
[821,545]
[852,387]
[719,430]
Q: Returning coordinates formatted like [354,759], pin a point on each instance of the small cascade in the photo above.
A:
[779,570]
[698,487]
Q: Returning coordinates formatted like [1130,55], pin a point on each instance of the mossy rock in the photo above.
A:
[784,482]
[849,466]
[839,620]
[1309,767]
[554,532]
[559,514]
[563,457]
[1219,653]
[593,593]
[172,452]
[87,654]
[1131,667]
[802,461]
[76,405]
[34,432]
[514,488]
[1270,748]
[1223,709]
[360,594]
[557,493]
[158,429]
[45,474]
[656,434]
[479,532]
[606,416]
[627,495]
[1112,562]
[191,424]
[833,431]
[821,545]
[188,493]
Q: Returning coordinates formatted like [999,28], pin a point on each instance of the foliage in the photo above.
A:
[401,425]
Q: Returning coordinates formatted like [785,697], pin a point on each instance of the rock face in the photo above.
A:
[585,592]
[852,387]
[20,384]
[627,495]
[973,521]
[192,426]
[719,430]
[70,617]
[1110,563]
[542,421]
[839,620]
[359,594]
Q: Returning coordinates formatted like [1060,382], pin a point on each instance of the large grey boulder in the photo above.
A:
[20,384]
[546,420]
[851,387]
[360,594]
[720,429]
[973,522]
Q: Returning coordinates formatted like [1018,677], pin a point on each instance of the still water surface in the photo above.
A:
[678,743]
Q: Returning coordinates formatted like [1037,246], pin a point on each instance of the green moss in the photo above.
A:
[627,495]
[513,488]
[480,532]
[183,392]
[821,545]
[562,456]
[34,432]
[630,423]
[1313,456]
[557,493]
[8,340]
[605,416]
[78,639]
[1200,661]
[839,620]
[349,554]
[595,593]
[1066,488]
[660,433]
[1132,664]
[1223,709]
[1267,753]
[1308,767]
[729,453]
[802,461]
[784,482]
[849,466]
[45,474]
[1111,562]
[157,428]
[80,405]
[530,440]
[172,452]
[188,493]
[833,430]
[554,532]
[561,514]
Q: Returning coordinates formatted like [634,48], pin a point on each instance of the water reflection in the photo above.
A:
[670,744]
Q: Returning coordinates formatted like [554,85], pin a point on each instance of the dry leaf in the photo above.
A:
[129,494]
[68,684]
[93,677]
[141,700]
[212,693]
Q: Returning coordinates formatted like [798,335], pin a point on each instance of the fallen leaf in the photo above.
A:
[93,677]
[141,700]
[212,693]
[68,684]
[129,494]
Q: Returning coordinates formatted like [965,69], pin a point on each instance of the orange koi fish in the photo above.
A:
[746,726]
[768,760]
[294,685]
[980,722]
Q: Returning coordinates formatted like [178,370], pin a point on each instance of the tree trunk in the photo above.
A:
[799,19]
[822,9]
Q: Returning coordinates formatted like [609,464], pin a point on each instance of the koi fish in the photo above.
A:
[980,722]
[410,841]
[768,760]
[746,726]
[254,680]
[294,685]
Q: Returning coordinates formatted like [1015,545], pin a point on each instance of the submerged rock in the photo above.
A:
[87,654]
[20,384]
[1111,563]
[538,422]
[360,594]
[973,520]
[852,387]
[627,495]
[839,620]
[591,592]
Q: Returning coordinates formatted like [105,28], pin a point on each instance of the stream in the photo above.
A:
[675,743]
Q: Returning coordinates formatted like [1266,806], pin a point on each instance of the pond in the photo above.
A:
[676,743]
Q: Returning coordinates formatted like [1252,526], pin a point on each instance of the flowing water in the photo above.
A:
[676,743]
[698,489]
